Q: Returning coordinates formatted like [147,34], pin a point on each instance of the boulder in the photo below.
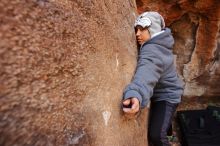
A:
[64,65]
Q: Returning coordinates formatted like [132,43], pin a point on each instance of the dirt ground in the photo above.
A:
[194,103]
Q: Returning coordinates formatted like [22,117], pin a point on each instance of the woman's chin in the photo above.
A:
[140,42]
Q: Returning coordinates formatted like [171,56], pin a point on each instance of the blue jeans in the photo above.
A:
[160,120]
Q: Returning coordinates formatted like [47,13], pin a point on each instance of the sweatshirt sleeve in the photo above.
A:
[148,71]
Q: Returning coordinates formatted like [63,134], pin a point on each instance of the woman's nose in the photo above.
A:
[138,32]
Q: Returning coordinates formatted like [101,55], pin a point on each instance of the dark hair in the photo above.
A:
[140,27]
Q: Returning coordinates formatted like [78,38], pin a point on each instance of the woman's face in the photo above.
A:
[142,34]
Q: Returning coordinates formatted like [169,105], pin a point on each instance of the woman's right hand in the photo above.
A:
[131,106]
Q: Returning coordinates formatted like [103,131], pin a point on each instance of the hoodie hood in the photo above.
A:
[164,39]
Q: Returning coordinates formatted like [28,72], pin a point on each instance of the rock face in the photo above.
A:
[196,28]
[64,65]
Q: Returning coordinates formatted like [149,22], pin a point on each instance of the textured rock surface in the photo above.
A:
[64,65]
[196,28]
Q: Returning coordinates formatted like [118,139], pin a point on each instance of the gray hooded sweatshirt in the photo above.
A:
[156,77]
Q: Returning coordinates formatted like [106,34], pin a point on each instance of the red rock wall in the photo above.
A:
[196,28]
[64,65]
